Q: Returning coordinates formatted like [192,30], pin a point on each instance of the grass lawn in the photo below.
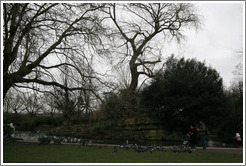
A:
[35,153]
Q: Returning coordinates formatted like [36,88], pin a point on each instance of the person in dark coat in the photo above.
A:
[193,132]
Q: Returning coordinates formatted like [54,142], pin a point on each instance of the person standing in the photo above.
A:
[202,131]
[12,130]
[241,130]
[193,132]
[238,139]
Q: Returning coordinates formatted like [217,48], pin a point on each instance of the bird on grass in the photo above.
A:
[152,150]
[190,151]
[115,149]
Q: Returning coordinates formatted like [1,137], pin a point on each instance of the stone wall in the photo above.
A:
[149,130]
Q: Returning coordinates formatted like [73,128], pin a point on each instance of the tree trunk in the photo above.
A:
[134,73]
[7,84]
[134,80]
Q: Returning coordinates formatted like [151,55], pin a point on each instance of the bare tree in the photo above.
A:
[137,27]
[49,104]
[37,36]
[236,87]
[32,104]
[238,72]
[13,103]
[123,77]
[73,104]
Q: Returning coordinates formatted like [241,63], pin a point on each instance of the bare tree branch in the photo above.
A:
[35,32]
[146,21]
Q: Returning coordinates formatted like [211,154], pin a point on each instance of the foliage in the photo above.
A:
[25,122]
[83,141]
[185,89]
[233,120]
[44,140]
[75,106]
[57,140]
[55,121]
[111,107]
[118,107]
[65,104]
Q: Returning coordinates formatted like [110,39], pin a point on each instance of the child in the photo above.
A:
[239,140]
[187,140]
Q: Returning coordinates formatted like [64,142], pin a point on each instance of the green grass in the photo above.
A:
[13,153]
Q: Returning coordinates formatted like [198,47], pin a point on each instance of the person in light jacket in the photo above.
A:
[202,130]
[239,140]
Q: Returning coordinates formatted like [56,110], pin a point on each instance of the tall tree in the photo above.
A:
[37,35]
[187,89]
[139,24]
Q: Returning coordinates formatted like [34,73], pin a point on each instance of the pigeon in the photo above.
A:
[189,150]
[152,150]
[115,149]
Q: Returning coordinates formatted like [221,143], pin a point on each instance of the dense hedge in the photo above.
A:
[25,122]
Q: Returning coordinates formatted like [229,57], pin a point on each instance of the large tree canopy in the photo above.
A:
[38,37]
[185,88]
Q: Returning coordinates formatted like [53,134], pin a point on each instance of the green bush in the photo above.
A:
[25,122]
[48,120]
[57,141]
[98,129]
[83,141]
[44,140]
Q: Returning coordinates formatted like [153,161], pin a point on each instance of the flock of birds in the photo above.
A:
[153,148]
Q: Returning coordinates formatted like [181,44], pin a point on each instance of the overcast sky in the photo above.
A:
[219,39]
